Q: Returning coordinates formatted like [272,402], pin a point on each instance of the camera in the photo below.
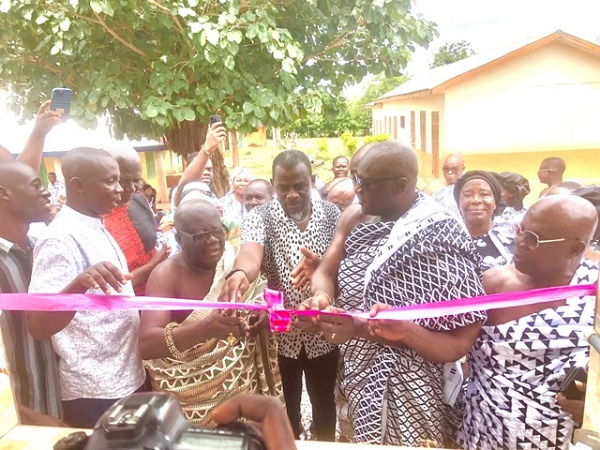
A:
[153,420]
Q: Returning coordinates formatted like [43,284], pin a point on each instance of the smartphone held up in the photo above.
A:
[215,118]
[60,101]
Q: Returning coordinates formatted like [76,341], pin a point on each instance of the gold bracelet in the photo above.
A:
[204,149]
[171,343]
[326,295]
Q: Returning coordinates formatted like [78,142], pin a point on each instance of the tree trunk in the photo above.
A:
[187,137]
[235,152]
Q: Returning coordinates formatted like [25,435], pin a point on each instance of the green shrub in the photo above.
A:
[377,138]
[349,142]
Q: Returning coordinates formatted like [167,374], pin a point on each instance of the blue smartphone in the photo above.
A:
[61,101]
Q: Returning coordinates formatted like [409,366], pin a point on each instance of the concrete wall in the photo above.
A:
[542,103]
[387,119]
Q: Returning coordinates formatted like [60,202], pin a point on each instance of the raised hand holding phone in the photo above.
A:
[60,101]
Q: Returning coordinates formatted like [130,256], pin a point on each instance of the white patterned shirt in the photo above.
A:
[281,239]
[98,350]
[57,190]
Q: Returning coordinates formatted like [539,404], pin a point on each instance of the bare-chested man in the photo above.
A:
[340,168]
[211,346]
[341,193]
[523,353]
[551,172]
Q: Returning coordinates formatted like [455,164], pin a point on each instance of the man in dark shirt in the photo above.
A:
[23,200]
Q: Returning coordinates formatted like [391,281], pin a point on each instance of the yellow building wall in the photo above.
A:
[544,100]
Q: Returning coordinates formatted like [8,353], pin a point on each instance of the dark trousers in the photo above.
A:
[320,375]
[85,412]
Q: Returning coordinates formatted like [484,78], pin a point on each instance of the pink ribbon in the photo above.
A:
[280,317]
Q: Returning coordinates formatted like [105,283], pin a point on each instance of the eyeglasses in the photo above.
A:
[366,184]
[449,169]
[545,170]
[205,236]
[532,240]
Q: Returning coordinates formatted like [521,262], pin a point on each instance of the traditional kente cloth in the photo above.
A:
[516,371]
[395,395]
[361,246]
[214,371]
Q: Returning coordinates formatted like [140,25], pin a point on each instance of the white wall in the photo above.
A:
[545,100]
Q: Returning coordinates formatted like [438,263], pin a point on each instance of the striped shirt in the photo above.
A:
[32,364]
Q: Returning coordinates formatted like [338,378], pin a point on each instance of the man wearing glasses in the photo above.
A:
[453,168]
[523,353]
[203,356]
[409,251]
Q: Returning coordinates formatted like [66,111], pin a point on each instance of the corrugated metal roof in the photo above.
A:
[426,82]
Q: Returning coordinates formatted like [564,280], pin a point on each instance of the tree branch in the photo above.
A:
[129,45]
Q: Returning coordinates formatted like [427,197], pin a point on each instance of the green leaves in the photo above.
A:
[151,65]
[102,6]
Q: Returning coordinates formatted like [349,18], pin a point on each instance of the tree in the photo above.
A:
[159,68]
[449,53]
[362,117]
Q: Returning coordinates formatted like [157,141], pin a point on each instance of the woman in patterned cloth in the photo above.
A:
[232,205]
[477,194]
[523,353]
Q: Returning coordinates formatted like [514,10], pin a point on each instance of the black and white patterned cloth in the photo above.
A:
[395,395]
[361,247]
[281,239]
[496,247]
[516,371]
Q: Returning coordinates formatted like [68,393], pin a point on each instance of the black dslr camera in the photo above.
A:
[152,420]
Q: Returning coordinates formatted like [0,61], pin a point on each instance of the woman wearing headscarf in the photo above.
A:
[232,204]
[515,188]
[478,195]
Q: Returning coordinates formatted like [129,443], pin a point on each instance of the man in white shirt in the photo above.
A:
[56,189]
[98,350]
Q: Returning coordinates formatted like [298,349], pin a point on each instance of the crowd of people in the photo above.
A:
[367,240]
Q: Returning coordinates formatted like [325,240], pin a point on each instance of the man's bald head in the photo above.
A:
[130,168]
[200,234]
[23,198]
[12,171]
[393,158]
[195,212]
[567,222]
[385,180]
[122,152]
[567,215]
[359,154]
[453,168]
[82,161]
[258,192]
[91,181]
